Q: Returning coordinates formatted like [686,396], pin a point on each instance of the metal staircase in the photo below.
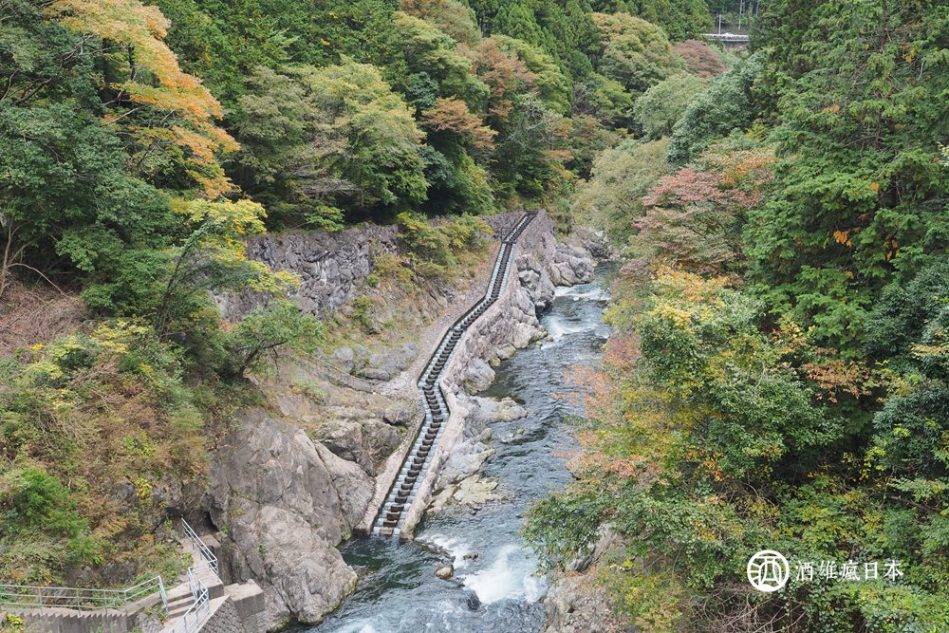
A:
[391,516]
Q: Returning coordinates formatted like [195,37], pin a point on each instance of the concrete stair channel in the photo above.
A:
[391,515]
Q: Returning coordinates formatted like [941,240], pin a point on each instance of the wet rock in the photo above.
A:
[472,601]
[445,572]
[508,410]
[474,491]
[470,555]
[489,410]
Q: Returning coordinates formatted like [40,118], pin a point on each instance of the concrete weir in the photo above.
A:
[410,489]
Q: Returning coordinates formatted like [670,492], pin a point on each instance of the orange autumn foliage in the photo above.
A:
[452,115]
[154,80]
[505,74]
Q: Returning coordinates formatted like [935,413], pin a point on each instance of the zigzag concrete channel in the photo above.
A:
[391,516]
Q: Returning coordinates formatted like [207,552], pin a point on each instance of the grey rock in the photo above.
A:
[285,503]
[387,365]
[331,266]
[577,603]
[343,358]
[478,376]
[487,410]
[402,412]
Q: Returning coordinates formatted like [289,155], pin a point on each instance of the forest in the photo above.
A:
[778,373]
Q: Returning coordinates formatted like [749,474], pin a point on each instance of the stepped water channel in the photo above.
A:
[498,586]
[392,514]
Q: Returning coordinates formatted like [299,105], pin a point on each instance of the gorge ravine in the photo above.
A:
[295,477]
[497,585]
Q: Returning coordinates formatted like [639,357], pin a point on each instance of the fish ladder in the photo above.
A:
[391,516]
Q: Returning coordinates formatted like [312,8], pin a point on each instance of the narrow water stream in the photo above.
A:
[500,589]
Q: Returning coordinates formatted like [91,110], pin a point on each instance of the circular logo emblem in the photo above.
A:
[768,570]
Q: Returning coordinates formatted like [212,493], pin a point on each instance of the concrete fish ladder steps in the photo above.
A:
[391,516]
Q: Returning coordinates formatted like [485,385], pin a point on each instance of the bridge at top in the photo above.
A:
[728,38]
[405,488]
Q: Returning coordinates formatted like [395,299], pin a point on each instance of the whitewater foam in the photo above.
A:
[589,292]
[511,575]
[456,548]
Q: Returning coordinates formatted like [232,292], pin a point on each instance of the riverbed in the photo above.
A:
[498,585]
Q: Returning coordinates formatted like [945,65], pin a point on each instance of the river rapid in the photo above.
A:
[500,590]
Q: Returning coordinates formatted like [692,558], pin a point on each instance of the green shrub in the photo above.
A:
[658,109]
[266,332]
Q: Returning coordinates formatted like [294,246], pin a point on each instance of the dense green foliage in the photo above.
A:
[862,187]
[662,105]
[778,374]
[141,144]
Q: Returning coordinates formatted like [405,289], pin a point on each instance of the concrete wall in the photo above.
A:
[69,621]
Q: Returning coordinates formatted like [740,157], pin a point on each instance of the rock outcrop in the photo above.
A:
[330,265]
[576,602]
[287,502]
[297,472]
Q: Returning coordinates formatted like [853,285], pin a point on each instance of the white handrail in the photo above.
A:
[197,615]
[203,549]
[94,599]
[78,598]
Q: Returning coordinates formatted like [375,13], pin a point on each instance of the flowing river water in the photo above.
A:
[500,589]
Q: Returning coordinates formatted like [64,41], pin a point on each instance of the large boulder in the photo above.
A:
[283,503]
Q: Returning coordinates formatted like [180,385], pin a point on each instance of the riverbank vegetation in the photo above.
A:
[142,142]
[777,376]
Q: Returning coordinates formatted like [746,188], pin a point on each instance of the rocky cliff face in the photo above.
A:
[330,265]
[296,473]
[286,502]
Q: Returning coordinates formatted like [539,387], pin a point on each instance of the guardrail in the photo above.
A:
[197,615]
[79,598]
[202,547]
[92,599]
[727,37]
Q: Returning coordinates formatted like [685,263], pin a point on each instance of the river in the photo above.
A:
[501,589]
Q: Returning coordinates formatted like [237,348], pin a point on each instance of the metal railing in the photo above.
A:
[79,598]
[727,37]
[91,599]
[197,615]
[203,549]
